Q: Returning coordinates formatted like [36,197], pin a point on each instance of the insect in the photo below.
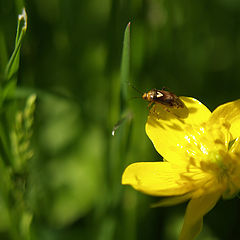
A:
[164,97]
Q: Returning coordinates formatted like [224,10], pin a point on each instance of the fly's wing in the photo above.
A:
[169,99]
[165,98]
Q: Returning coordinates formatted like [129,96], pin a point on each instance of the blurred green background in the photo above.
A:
[71,58]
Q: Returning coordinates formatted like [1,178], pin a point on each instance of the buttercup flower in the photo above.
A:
[201,152]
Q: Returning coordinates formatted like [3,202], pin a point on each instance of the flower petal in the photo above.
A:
[166,127]
[196,209]
[230,112]
[157,178]
[197,112]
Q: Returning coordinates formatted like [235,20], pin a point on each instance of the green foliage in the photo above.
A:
[21,135]
[9,81]
[15,136]
[13,64]
[125,65]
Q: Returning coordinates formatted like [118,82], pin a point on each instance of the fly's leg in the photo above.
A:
[150,105]
[151,108]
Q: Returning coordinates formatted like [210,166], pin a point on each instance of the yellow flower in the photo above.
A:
[201,152]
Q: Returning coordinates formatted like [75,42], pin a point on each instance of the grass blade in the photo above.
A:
[13,64]
[125,66]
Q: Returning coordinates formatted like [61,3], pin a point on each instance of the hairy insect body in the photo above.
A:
[164,97]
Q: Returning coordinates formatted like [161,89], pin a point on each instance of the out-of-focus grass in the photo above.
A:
[71,58]
[16,123]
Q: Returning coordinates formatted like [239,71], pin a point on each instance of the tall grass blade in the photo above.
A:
[125,66]
[13,64]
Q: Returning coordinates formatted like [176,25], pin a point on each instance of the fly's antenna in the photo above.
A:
[135,98]
[130,84]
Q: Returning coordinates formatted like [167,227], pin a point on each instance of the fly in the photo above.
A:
[164,97]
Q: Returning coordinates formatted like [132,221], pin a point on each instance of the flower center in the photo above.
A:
[225,168]
[212,165]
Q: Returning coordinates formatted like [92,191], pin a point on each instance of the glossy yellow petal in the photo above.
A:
[157,178]
[167,127]
[230,112]
[197,112]
[193,219]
